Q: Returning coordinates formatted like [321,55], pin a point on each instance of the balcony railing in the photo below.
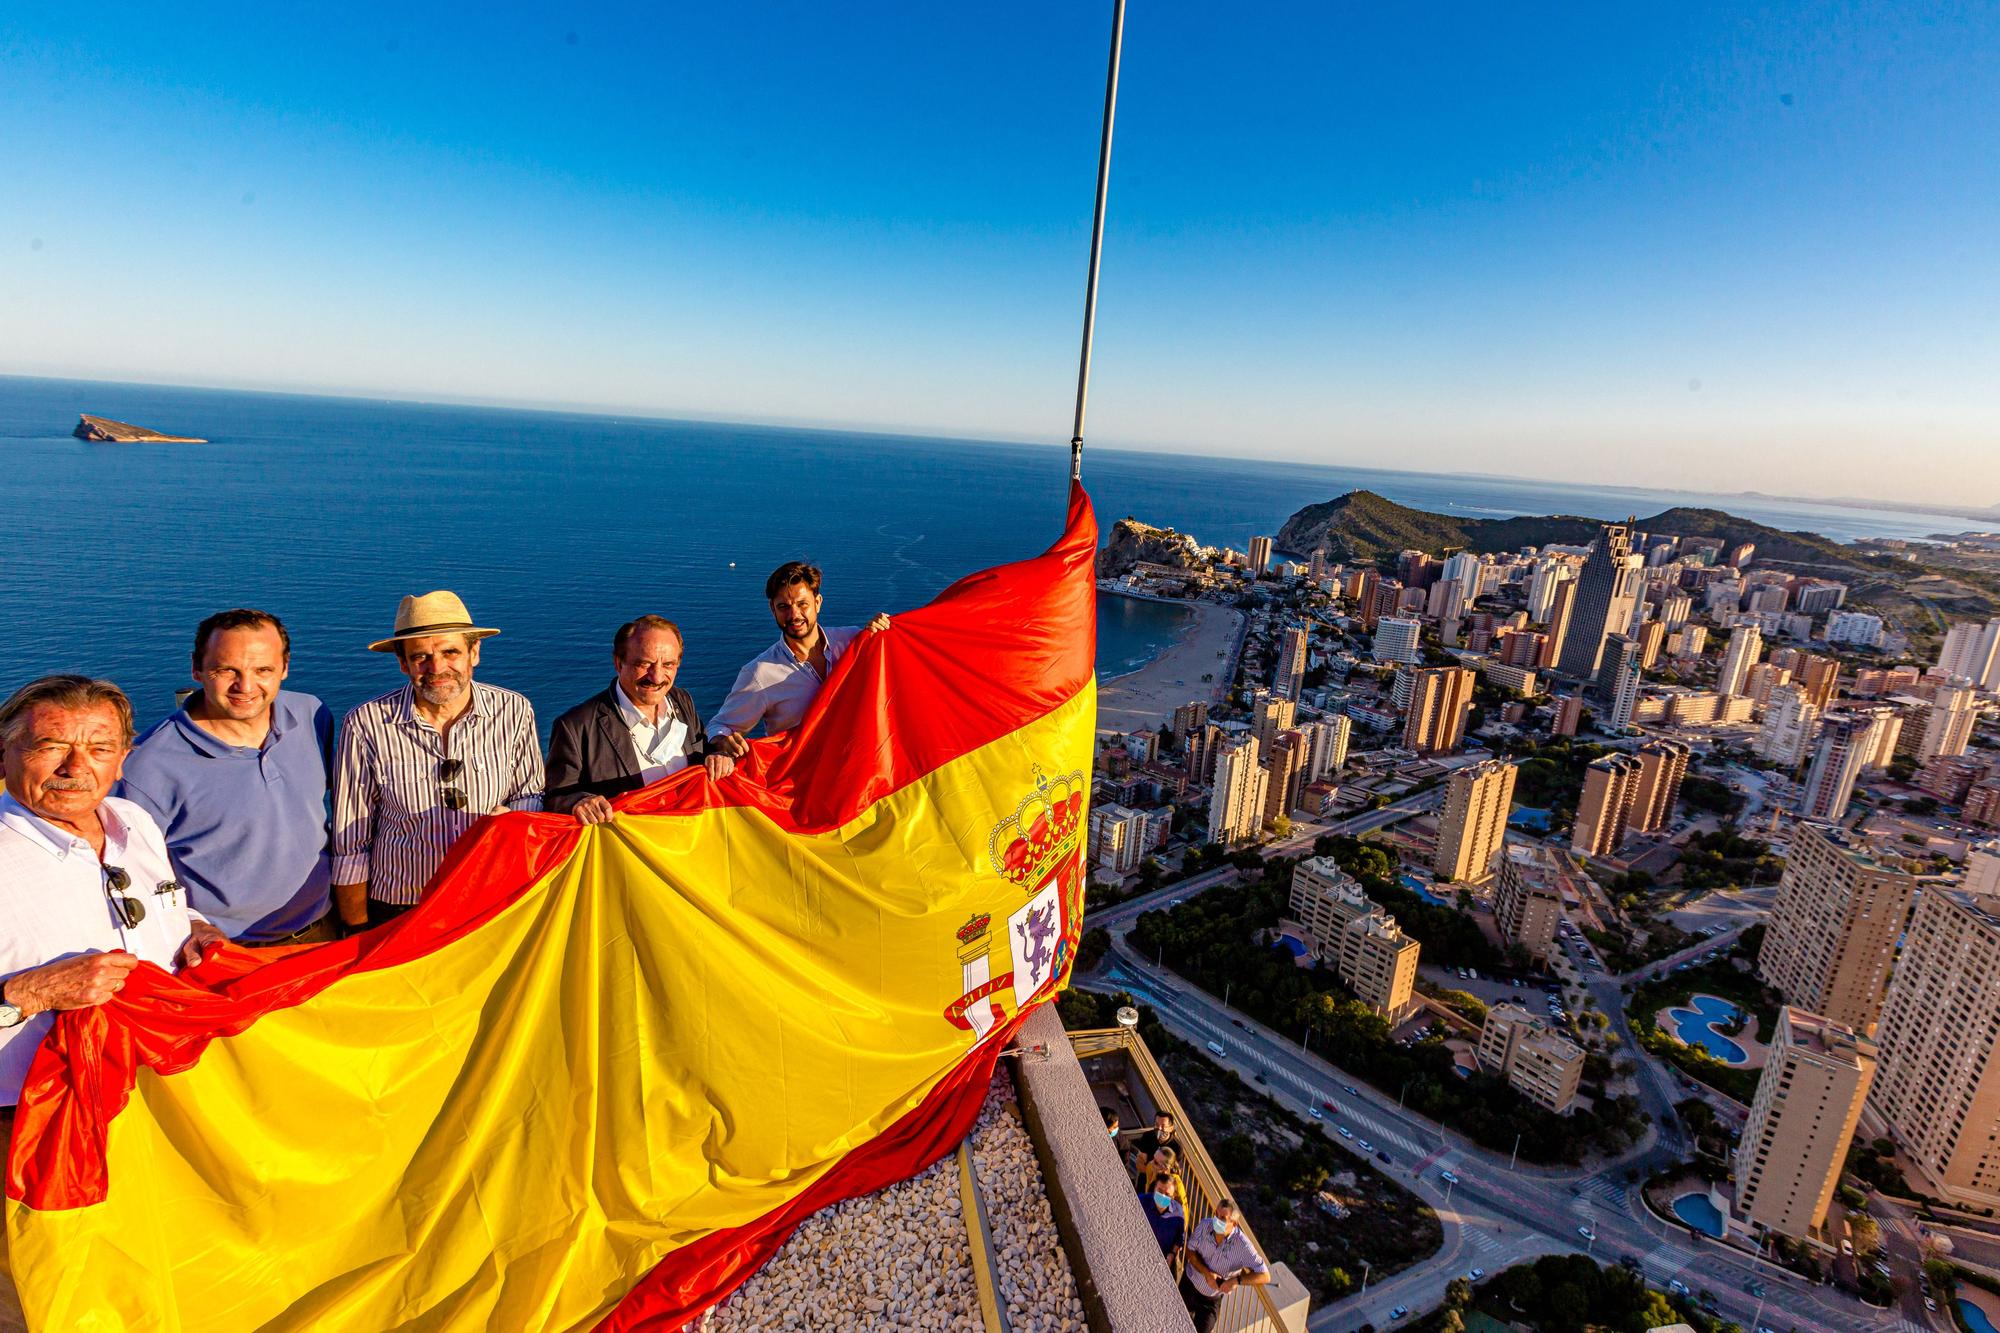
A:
[1248,1309]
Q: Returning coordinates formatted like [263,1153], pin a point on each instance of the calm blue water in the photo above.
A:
[1975,1318]
[1694,1025]
[1528,817]
[1131,632]
[1699,1213]
[1416,886]
[557,527]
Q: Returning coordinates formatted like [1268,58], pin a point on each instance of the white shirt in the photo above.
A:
[657,745]
[776,688]
[54,904]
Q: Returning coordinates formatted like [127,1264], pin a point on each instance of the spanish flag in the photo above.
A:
[602,1072]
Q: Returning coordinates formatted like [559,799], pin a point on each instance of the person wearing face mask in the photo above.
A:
[1220,1259]
[238,781]
[775,688]
[420,765]
[632,734]
[1165,1198]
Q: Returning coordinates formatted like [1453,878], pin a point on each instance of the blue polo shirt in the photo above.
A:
[247,826]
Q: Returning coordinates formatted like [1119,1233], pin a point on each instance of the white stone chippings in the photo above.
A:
[1031,1268]
[899,1258]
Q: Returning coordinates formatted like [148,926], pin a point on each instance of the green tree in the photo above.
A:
[1457,1293]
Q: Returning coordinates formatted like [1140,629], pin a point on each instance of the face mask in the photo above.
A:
[1221,1227]
[1112,1130]
[1162,1201]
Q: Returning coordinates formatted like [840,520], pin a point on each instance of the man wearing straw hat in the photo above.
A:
[418,766]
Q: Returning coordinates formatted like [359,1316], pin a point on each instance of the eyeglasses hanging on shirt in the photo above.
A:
[448,773]
[131,910]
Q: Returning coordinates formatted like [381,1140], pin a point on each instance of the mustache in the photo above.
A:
[69,784]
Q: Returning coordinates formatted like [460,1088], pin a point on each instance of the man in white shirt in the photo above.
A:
[775,688]
[87,891]
[637,731]
[1220,1259]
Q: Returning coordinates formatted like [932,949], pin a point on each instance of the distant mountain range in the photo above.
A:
[1361,525]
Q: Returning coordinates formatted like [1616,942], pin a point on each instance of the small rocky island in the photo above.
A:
[107,431]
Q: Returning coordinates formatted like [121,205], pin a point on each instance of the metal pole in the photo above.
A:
[1516,1155]
[1365,1266]
[1096,238]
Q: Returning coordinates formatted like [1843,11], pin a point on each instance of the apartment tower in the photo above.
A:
[1528,903]
[1607,587]
[1241,784]
[1662,767]
[1473,824]
[1289,677]
[1605,806]
[1440,697]
[1746,645]
[1832,931]
[1808,1101]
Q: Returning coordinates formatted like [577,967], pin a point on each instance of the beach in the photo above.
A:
[1148,696]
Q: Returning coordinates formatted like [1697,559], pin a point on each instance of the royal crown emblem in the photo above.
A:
[1043,834]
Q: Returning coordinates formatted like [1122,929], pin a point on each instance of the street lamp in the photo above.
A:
[1365,1266]
[1515,1156]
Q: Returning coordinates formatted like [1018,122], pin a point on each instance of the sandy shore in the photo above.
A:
[1148,697]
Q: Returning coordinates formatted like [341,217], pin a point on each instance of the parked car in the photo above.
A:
[1364,1145]
[1239,1023]
[1383,1158]
[1476,1274]
[1215,1048]
[1586,1233]
[1447,1177]
[1678,1287]
[1344,1131]
[1315,1113]
[1350,1089]
[1399,1312]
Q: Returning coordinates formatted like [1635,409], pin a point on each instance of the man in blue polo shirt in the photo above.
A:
[238,780]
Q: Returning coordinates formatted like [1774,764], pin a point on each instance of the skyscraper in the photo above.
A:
[1528,903]
[1939,1084]
[1439,700]
[1819,675]
[1948,725]
[1832,931]
[1289,676]
[1189,717]
[1203,743]
[1972,650]
[1605,805]
[1607,587]
[1260,556]
[1236,806]
[1662,766]
[1273,714]
[1809,1098]
[1746,644]
[1542,584]
[1287,763]
[1397,639]
[1618,680]
[1473,824]
[1845,744]
[1562,609]
[1329,738]
[1568,715]
[1790,723]
[1651,636]
[1366,604]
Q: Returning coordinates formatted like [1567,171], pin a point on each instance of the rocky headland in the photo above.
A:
[106,431]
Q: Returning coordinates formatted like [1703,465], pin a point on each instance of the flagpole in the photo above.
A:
[1096,239]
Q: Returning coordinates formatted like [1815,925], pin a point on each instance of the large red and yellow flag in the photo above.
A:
[596,1079]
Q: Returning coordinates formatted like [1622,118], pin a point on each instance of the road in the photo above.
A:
[1497,1214]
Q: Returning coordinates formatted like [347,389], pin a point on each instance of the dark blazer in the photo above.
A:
[591,754]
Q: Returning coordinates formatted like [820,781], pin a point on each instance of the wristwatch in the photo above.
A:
[10,1015]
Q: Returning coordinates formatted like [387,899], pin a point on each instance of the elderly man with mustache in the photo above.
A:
[418,766]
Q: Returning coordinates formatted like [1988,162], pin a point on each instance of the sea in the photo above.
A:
[556,527]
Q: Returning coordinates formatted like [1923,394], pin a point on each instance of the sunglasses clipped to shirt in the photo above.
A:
[453,794]
[129,909]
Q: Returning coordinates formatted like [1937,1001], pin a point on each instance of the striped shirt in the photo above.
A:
[391,826]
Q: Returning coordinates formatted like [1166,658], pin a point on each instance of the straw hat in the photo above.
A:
[433,613]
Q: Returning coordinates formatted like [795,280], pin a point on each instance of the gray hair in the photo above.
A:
[65,691]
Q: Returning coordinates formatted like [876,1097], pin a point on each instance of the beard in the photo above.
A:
[438,691]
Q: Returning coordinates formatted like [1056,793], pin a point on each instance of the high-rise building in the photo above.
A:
[1366,604]
[1606,803]
[1663,765]
[1607,587]
[1832,931]
[1290,674]
[1189,717]
[1948,726]
[1982,872]
[1287,765]
[1528,903]
[1399,639]
[1568,715]
[1675,609]
[1416,569]
[1845,744]
[1318,569]
[1562,610]
[1272,714]
[1538,1062]
[1885,732]
[1440,697]
[1325,899]
[1809,1098]
[1118,839]
[1939,1084]
[1652,636]
[1549,574]
[1202,744]
[1236,805]
[1329,738]
[1380,963]
[1789,726]
[1473,824]
[1688,641]
[1819,676]
[1260,556]
[1761,680]
[1854,629]
[1520,647]
[1618,681]
[1972,650]
[1746,644]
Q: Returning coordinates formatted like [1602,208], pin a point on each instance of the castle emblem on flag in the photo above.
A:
[1038,849]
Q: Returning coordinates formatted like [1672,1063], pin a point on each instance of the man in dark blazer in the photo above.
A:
[637,731]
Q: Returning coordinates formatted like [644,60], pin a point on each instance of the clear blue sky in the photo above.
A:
[1677,244]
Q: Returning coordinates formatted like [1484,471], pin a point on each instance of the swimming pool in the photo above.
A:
[1416,886]
[1529,817]
[1696,1025]
[1975,1318]
[1699,1213]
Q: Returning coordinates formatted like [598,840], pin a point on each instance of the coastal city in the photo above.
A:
[1511,916]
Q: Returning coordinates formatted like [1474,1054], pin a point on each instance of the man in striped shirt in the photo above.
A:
[419,766]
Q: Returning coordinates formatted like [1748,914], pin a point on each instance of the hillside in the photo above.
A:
[1361,526]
